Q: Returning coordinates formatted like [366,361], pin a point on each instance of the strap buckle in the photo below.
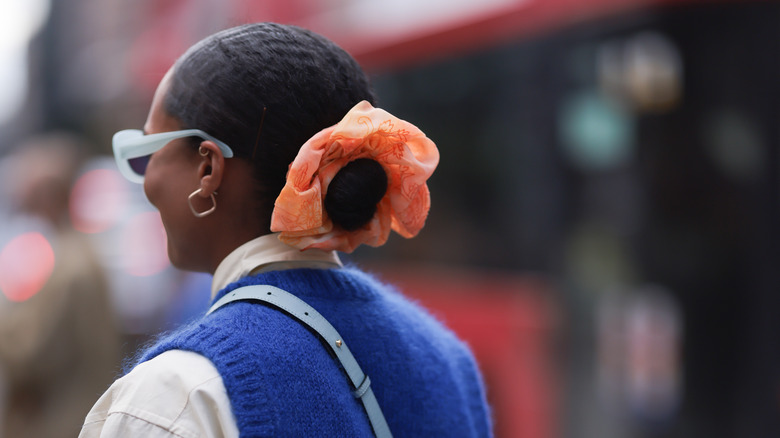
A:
[363,388]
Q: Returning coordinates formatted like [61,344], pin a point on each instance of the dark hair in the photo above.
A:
[354,193]
[265,89]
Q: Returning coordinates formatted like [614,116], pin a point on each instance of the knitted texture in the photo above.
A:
[282,381]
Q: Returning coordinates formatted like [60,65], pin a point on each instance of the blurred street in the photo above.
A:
[605,221]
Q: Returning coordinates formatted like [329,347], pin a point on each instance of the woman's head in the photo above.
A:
[264,89]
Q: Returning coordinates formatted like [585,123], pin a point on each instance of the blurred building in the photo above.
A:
[617,163]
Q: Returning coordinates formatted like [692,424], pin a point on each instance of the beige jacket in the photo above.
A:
[60,349]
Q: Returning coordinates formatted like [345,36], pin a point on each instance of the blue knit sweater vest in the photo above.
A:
[282,381]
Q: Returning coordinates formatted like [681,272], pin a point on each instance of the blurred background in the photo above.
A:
[605,228]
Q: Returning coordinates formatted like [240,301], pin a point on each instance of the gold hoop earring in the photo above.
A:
[202,213]
[203,151]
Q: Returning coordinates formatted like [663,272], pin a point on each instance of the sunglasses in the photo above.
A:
[132,149]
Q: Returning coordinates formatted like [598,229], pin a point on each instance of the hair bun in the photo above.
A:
[354,193]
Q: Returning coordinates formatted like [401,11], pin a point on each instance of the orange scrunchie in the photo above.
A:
[406,154]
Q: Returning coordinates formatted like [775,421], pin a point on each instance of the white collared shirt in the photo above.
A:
[268,253]
[180,393]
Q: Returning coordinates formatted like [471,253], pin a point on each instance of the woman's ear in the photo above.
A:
[211,169]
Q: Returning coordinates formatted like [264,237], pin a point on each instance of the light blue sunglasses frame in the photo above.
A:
[132,143]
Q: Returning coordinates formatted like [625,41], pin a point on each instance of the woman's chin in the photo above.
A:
[177,258]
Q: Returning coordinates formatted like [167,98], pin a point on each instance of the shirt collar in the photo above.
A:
[268,253]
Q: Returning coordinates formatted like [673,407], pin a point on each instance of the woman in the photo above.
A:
[267,157]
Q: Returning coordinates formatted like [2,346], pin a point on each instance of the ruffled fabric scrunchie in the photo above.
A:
[406,154]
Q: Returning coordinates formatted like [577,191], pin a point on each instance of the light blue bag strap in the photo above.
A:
[306,314]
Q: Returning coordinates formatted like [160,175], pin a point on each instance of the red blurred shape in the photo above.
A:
[497,22]
[97,201]
[26,264]
[509,322]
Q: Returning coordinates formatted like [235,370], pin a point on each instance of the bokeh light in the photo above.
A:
[98,201]
[597,134]
[144,244]
[26,264]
